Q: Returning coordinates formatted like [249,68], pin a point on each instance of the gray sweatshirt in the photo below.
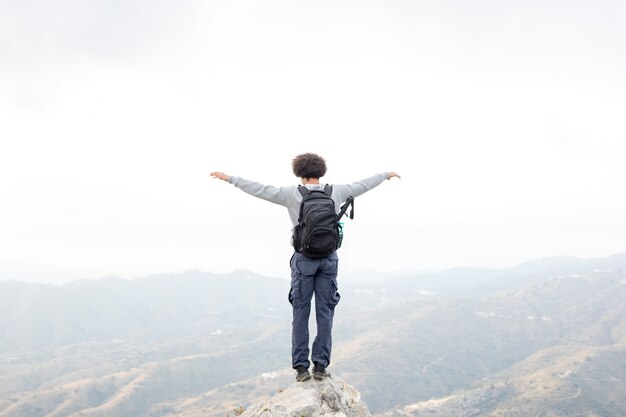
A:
[291,198]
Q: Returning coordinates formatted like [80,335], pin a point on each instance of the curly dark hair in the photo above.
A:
[309,165]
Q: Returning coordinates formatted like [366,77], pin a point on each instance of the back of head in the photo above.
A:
[309,165]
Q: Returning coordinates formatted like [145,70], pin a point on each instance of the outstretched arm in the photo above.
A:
[281,195]
[363,186]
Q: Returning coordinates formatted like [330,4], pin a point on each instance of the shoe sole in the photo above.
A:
[304,377]
[319,375]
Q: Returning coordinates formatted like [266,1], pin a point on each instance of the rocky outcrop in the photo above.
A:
[329,397]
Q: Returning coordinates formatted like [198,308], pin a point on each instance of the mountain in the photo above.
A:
[568,359]
[559,382]
[531,340]
[157,307]
[476,281]
[431,347]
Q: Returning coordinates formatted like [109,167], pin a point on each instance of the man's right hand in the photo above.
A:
[220,176]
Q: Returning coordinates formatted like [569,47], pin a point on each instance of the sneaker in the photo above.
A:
[319,371]
[302,374]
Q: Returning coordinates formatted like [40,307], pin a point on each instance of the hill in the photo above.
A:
[526,340]
[158,307]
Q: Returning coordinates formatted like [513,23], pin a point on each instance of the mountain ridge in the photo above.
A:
[197,346]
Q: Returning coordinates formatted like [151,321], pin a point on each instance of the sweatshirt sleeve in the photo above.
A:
[360,187]
[281,196]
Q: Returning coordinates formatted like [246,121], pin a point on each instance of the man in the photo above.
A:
[309,275]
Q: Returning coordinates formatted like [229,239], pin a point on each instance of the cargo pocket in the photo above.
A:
[295,294]
[334,297]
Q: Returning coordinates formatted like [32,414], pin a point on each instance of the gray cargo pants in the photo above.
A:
[309,276]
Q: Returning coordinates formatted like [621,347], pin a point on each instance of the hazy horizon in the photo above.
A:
[58,275]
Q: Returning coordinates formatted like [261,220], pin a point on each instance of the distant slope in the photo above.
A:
[153,308]
[477,282]
[557,382]
[136,379]
[431,347]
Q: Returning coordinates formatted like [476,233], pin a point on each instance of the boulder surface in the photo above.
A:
[331,397]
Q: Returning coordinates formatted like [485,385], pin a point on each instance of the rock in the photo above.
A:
[330,397]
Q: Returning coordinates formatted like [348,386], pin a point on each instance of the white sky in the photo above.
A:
[505,119]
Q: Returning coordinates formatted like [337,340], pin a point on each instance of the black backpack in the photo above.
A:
[318,233]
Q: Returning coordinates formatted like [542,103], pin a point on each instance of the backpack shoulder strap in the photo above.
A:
[328,190]
[303,190]
[349,203]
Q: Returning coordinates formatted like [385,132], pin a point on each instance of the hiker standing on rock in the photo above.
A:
[315,210]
